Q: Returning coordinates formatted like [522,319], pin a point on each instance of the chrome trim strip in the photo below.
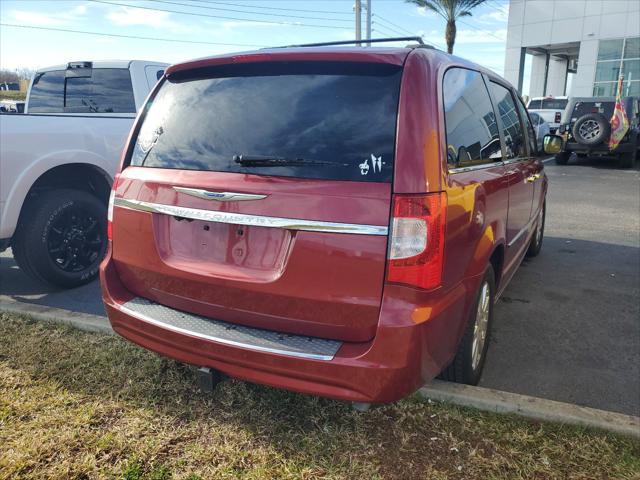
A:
[252,220]
[471,168]
[146,318]
[523,230]
[514,160]
[219,196]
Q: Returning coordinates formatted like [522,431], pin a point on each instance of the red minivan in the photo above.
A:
[331,220]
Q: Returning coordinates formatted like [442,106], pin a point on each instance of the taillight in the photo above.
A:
[112,197]
[417,240]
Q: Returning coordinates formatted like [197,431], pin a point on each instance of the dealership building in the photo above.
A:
[573,47]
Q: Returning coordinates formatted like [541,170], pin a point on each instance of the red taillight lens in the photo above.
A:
[417,240]
[112,197]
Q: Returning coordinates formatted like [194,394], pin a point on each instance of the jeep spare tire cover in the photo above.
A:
[591,129]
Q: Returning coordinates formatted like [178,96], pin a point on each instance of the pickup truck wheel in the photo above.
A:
[62,238]
[472,352]
[538,235]
[562,158]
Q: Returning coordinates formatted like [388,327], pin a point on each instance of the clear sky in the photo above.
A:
[208,27]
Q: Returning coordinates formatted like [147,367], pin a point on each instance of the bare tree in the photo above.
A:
[8,76]
[450,10]
[25,73]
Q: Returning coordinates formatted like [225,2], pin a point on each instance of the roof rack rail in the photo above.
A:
[356,42]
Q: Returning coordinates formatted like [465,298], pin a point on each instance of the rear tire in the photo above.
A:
[628,159]
[562,158]
[536,240]
[467,365]
[61,237]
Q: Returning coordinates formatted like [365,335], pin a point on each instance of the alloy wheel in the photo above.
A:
[589,130]
[481,326]
[75,240]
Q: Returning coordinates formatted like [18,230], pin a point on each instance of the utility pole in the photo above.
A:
[358,9]
[368,22]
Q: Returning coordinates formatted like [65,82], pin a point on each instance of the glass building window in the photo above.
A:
[615,57]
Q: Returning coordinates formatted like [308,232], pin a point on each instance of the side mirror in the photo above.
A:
[552,144]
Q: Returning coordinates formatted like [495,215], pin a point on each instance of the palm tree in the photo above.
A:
[450,10]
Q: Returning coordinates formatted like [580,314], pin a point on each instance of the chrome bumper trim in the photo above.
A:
[256,339]
[252,220]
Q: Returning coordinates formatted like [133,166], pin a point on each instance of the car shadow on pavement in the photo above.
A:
[567,327]
[15,285]
[608,163]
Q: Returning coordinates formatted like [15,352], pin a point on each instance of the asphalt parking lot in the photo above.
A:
[568,326]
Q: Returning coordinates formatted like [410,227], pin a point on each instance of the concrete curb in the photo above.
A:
[82,321]
[531,407]
[465,395]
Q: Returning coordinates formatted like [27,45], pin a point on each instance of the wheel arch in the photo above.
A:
[497,262]
[87,177]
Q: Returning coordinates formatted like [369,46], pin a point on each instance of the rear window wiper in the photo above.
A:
[273,161]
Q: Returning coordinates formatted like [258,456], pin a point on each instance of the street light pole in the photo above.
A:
[368,22]
[358,9]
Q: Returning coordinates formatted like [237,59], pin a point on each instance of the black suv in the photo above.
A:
[585,130]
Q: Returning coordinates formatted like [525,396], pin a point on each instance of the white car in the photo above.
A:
[57,163]
[541,127]
[549,108]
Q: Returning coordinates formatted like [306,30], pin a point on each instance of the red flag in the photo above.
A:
[619,120]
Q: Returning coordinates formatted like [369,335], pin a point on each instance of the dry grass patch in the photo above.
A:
[81,405]
[12,95]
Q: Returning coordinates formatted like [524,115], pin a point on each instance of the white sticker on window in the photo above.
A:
[376,165]
[364,167]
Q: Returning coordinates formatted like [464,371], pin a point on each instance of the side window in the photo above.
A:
[108,90]
[530,130]
[47,92]
[512,128]
[472,131]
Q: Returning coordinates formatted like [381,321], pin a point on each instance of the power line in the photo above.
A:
[401,30]
[272,8]
[249,12]
[387,29]
[291,24]
[393,24]
[379,28]
[103,34]
[393,29]
[487,32]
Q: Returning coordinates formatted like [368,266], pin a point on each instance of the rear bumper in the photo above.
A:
[601,149]
[417,336]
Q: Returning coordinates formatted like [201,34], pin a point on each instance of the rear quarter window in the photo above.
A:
[334,121]
[47,92]
[472,131]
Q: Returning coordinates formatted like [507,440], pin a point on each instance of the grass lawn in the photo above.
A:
[12,95]
[84,405]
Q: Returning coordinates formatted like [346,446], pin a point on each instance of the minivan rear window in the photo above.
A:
[324,120]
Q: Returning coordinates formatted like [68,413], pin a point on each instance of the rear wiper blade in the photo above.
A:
[272,161]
